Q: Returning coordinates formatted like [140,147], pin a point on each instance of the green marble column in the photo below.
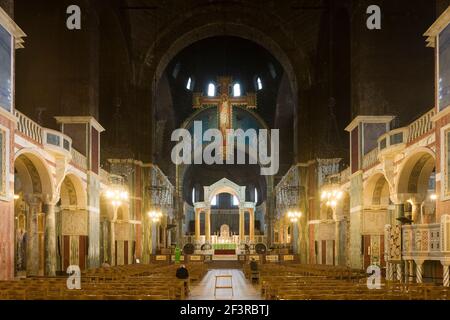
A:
[34,204]
[50,240]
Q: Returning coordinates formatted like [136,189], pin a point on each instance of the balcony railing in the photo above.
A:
[78,159]
[421,126]
[370,159]
[421,240]
[57,141]
[28,127]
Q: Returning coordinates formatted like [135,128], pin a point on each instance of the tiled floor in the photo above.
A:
[242,288]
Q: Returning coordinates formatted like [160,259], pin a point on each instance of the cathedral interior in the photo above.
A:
[298,148]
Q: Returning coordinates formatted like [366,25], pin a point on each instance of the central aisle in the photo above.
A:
[243,289]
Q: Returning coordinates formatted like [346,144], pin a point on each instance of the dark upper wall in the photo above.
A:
[392,70]
[8,6]
[58,72]
[92,71]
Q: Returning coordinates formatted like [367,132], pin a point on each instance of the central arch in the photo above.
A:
[224,186]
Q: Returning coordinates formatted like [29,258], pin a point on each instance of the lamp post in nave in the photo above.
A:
[331,197]
[117,195]
[294,218]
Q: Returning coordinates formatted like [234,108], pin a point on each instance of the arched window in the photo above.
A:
[211,90]
[259,83]
[237,90]
[256,195]
[193,195]
[189,84]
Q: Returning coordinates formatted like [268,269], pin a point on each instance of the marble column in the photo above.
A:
[419,271]
[399,272]
[34,204]
[241,226]
[112,241]
[337,240]
[197,225]
[389,272]
[411,270]
[281,231]
[208,226]
[50,239]
[93,210]
[446,275]
[146,239]
[164,232]
[252,226]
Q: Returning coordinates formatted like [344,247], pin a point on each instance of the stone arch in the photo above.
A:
[73,193]
[34,174]
[183,33]
[415,172]
[224,186]
[376,190]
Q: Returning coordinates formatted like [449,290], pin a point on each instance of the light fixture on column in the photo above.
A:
[294,216]
[155,216]
[117,196]
[433,197]
[331,197]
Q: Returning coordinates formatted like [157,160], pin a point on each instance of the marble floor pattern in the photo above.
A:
[243,289]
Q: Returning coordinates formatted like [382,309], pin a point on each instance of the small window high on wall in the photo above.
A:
[237,90]
[256,195]
[211,90]
[189,84]
[235,201]
[259,83]
[214,201]
[193,195]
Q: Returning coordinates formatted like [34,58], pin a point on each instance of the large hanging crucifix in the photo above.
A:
[224,102]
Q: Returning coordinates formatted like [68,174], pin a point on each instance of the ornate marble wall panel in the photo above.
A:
[75,223]
[373,222]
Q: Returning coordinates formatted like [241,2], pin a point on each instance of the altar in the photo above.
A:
[225,243]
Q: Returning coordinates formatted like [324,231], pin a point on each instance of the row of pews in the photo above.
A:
[321,282]
[132,282]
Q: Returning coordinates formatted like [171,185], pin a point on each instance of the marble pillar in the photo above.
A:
[93,197]
[419,271]
[147,239]
[389,272]
[112,241]
[399,272]
[411,271]
[208,226]
[50,239]
[241,226]
[34,204]
[252,226]
[197,225]
[446,275]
